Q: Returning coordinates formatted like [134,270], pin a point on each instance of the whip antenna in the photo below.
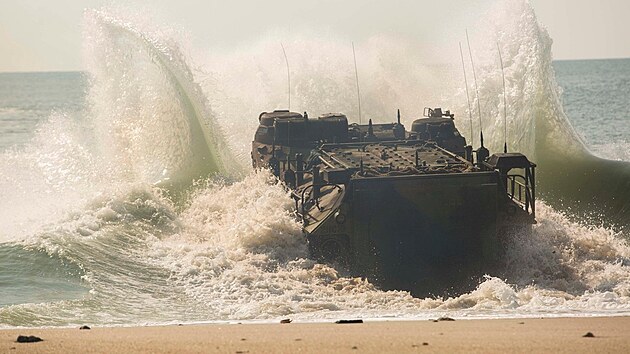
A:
[286,60]
[476,87]
[356,75]
[504,102]
[461,53]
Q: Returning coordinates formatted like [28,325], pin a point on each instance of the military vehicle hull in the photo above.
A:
[404,213]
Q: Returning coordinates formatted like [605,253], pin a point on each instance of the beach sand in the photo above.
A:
[555,335]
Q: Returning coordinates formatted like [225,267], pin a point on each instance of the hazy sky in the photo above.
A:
[47,35]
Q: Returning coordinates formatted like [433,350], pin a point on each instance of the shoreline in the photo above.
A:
[558,335]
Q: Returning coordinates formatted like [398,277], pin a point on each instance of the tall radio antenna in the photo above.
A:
[476,87]
[504,102]
[286,60]
[356,75]
[461,53]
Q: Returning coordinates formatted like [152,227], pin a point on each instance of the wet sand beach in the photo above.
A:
[551,335]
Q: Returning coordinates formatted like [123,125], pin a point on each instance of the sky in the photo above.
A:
[47,35]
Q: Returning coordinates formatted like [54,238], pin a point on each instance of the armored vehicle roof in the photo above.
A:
[405,158]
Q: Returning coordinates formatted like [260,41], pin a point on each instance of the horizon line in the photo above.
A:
[36,71]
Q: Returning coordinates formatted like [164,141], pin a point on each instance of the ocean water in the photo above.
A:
[27,99]
[126,196]
[595,96]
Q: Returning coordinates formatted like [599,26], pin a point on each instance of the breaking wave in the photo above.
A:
[152,119]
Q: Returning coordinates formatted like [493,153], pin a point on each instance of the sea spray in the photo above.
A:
[153,120]
[52,175]
[251,80]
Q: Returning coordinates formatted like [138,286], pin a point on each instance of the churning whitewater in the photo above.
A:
[140,208]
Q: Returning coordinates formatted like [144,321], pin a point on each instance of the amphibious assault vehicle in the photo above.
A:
[411,210]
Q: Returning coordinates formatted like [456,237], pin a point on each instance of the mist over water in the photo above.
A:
[141,208]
